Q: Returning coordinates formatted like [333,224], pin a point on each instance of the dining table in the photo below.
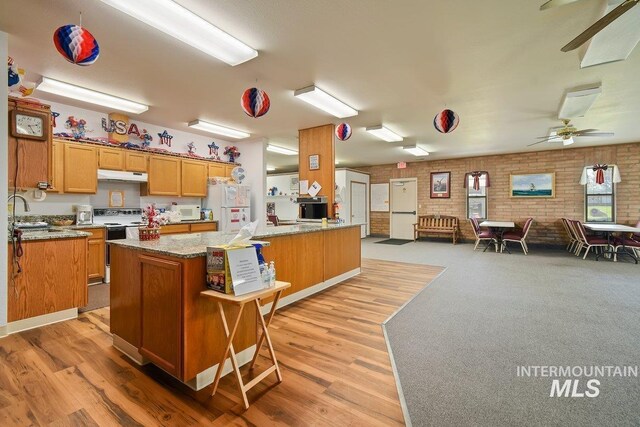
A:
[608,230]
[498,227]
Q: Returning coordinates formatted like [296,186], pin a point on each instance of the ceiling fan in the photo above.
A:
[568,132]
[600,25]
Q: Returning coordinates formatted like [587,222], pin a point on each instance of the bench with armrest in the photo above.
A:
[436,224]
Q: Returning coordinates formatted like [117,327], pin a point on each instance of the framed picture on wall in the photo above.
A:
[533,185]
[293,185]
[314,162]
[440,185]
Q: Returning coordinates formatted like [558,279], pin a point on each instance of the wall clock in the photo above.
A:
[30,124]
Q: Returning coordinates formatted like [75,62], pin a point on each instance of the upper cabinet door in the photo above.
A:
[57,168]
[194,178]
[217,169]
[135,162]
[111,158]
[164,176]
[81,169]
[228,169]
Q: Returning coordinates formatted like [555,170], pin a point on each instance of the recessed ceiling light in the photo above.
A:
[384,133]
[270,168]
[415,150]
[322,100]
[281,150]
[218,130]
[576,103]
[67,90]
[184,25]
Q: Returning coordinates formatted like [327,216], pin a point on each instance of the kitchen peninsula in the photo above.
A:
[159,316]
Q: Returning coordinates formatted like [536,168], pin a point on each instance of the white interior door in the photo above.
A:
[404,207]
[359,206]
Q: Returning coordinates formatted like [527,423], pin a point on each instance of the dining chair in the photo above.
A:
[518,236]
[573,240]
[273,219]
[588,242]
[480,235]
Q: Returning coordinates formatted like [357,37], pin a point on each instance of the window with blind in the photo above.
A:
[477,199]
[599,199]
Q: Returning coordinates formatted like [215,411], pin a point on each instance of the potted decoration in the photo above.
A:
[152,230]
[232,152]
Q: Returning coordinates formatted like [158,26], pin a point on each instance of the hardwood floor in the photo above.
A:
[330,348]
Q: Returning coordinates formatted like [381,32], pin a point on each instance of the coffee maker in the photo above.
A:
[84,215]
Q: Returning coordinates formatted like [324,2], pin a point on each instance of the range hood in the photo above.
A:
[108,175]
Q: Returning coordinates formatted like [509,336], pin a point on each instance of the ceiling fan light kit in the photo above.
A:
[568,132]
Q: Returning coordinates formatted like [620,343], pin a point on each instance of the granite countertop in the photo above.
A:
[195,244]
[53,233]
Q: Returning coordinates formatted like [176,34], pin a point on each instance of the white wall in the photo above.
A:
[344,177]
[252,159]
[4,184]
[286,207]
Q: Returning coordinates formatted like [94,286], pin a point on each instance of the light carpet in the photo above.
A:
[458,343]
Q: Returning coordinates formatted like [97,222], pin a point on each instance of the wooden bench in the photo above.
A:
[436,224]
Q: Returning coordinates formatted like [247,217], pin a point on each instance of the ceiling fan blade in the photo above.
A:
[536,143]
[599,25]
[598,134]
[549,137]
[555,3]
[578,132]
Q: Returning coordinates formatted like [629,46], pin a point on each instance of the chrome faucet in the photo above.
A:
[27,208]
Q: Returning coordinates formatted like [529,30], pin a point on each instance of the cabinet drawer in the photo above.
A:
[200,227]
[174,229]
[96,233]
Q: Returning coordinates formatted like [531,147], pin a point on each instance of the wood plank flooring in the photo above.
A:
[330,348]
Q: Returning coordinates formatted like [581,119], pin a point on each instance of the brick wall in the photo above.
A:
[568,201]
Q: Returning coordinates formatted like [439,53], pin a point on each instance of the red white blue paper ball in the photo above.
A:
[255,102]
[76,44]
[446,121]
[343,131]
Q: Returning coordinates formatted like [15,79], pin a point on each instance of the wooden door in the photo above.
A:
[57,168]
[404,207]
[161,309]
[111,158]
[358,206]
[217,169]
[194,178]
[164,176]
[81,169]
[135,162]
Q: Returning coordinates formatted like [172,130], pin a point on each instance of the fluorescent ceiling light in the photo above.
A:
[384,133]
[337,162]
[577,102]
[281,150]
[67,90]
[270,168]
[218,130]
[184,25]
[415,150]
[322,100]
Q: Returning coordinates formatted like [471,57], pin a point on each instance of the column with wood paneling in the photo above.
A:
[319,140]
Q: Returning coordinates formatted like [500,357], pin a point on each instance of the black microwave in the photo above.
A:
[313,207]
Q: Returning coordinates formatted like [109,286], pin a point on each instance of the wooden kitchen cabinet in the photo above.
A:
[161,308]
[175,229]
[96,257]
[203,226]
[164,176]
[57,168]
[80,169]
[53,278]
[228,169]
[135,162]
[33,155]
[111,158]
[217,169]
[194,178]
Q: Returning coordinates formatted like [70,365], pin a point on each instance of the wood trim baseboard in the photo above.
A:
[38,321]
[205,378]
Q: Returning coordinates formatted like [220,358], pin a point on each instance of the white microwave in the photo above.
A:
[188,212]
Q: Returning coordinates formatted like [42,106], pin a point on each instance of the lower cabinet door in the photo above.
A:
[161,306]
[96,261]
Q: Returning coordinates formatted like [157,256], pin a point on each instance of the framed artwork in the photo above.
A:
[293,185]
[314,162]
[533,185]
[116,199]
[440,185]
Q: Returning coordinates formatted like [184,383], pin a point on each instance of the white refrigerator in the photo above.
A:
[230,204]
